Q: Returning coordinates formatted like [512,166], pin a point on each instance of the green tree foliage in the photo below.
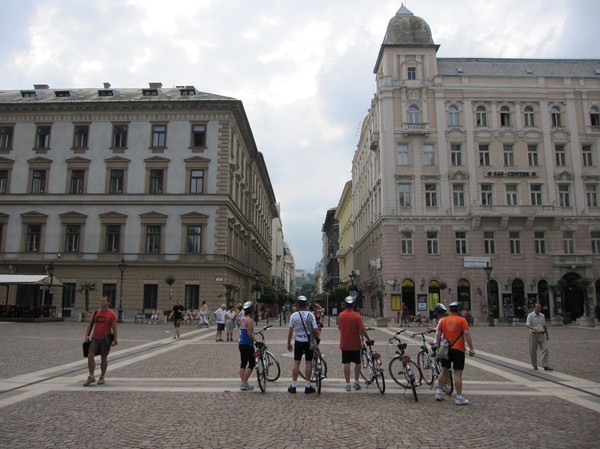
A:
[307,290]
[86,288]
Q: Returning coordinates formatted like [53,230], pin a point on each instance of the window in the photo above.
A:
[591,195]
[43,136]
[406,243]
[586,156]
[77,180]
[532,155]
[110,291]
[68,296]
[38,181]
[150,92]
[404,195]
[484,154]
[198,136]
[432,243]
[512,197]
[535,194]
[594,116]
[413,114]
[72,236]
[560,155]
[80,137]
[456,154]
[514,241]
[150,296]
[529,117]
[116,180]
[564,195]
[119,136]
[504,117]
[486,195]
[6,137]
[197,181]
[481,116]
[569,242]
[430,195]
[539,239]
[461,242]
[402,154]
[453,119]
[412,73]
[458,195]
[187,91]
[194,239]
[192,297]
[3,181]
[34,235]
[595,242]
[153,239]
[428,154]
[113,238]
[509,155]
[489,243]
[159,136]
[156,181]
[555,117]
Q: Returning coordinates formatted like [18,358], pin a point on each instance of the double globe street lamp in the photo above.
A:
[488,272]
[122,266]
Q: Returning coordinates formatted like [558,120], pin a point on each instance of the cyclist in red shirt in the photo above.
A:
[351,326]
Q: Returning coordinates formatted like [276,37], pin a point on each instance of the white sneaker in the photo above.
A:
[348,388]
[439,396]
[461,401]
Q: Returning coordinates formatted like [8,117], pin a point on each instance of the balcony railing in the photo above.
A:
[572,261]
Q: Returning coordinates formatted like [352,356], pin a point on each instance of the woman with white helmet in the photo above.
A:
[246,345]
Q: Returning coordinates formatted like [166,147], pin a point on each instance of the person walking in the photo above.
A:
[246,346]
[404,315]
[104,336]
[455,329]
[302,324]
[177,315]
[536,322]
[351,327]
[220,316]
[230,322]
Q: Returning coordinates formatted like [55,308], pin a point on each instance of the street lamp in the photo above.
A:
[256,277]
[488,271]
[122,266]
[50,271]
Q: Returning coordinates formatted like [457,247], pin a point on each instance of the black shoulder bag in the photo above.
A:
[86,344]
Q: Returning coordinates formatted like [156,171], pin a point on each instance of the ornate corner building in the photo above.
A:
[125,188]
[465,162]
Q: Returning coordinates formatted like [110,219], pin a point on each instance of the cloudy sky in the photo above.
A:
[303,69]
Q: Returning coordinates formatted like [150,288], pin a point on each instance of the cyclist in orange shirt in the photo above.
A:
[455,329]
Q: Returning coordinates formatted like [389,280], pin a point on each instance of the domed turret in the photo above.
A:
[407,29]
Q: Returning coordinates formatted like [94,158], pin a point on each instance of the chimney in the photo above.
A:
[41,87]
[106,85]
[155,85]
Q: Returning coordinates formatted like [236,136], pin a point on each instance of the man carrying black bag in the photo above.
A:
[104,324]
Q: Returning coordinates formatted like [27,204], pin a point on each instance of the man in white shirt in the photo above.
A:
[302,323]
[220,315]
[536,322]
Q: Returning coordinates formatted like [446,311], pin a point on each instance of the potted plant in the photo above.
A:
[587,320]
[86,288]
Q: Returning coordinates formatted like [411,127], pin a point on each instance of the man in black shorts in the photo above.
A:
[176,314]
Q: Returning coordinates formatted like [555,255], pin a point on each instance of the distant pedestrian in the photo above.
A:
[203,315]
[230,322]
[104,336]
[351,327]
[404,315]
[177,315]
[536,322]
[246,345]
[455,329]
[220,316]
[302,324]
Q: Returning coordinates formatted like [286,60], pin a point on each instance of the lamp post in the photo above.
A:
[122,266]
[256,277]
[488,271]
[50,271]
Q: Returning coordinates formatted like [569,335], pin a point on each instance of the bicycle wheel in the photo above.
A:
[365,368]
[396,370]
[449,385]
[272,368]
[426,365]
[378,374]
[261,374]
[409,375]
[318,374]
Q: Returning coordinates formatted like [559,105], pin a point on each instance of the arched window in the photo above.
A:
[529,117]
[481,116]
[413,114]
[555,116]
[504,116]
[453,119]
[594,116]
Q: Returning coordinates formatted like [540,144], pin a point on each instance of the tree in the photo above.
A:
[307,290]
[86,288]
[170,280]
[230,290]
[270,295]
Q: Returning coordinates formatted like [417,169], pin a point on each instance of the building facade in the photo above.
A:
[465,162]
[126,189]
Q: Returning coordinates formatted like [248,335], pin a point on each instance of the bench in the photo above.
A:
[142,317]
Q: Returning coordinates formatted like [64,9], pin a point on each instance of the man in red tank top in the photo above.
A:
[104,336]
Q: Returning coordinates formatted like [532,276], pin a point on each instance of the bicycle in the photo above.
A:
[431,366]
[319,369]
[261,371]
[402,368]
[271,364]
[371,366]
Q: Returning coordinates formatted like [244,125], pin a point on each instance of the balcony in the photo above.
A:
[572,261]
[421,129]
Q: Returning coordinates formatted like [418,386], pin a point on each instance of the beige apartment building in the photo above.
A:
[151,195]
[465,162]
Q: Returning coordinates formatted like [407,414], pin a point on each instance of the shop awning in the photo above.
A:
[40,279]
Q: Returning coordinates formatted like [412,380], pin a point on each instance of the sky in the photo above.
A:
[303,69]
